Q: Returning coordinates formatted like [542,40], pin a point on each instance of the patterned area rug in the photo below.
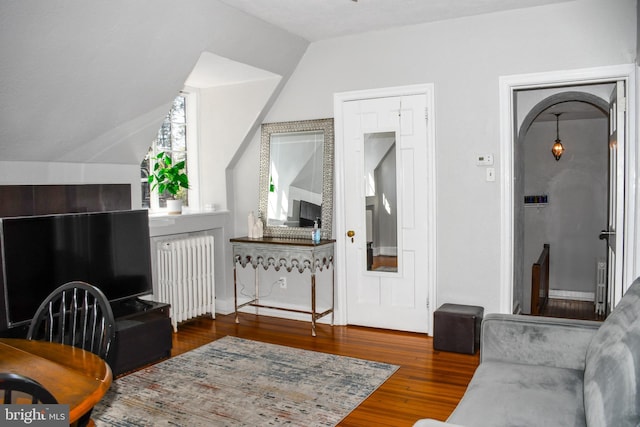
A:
[238,382]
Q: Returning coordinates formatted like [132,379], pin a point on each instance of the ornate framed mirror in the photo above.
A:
[296,178]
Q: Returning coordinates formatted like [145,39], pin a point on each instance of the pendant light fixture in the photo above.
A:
[557,148]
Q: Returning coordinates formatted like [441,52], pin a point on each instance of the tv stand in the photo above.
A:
[133,307]
[143,334]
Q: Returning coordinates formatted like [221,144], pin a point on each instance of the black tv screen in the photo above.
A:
[309,213]
[110,250]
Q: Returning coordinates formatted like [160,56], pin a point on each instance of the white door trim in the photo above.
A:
[507,86]
[339,216]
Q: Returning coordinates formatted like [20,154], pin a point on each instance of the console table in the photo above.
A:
[288,254]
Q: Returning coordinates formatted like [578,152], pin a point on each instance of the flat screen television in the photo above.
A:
[309,213]
[110,250]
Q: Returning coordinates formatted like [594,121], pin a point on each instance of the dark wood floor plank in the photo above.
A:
[571,309]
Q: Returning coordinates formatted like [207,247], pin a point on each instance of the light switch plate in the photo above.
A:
[491,174]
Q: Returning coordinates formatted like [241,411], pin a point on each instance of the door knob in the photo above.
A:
[604,234]
[351,233]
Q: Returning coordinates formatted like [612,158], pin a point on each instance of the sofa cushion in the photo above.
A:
[510,394]
[612,371]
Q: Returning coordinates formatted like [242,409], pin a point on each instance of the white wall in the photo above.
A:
[226,115]
[464,59]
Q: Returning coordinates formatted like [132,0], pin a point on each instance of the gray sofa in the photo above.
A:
[539,371]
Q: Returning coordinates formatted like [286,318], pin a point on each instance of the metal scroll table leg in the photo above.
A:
[235,290]
[313,304]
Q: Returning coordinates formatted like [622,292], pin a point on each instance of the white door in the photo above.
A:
[388,205]
[614,233]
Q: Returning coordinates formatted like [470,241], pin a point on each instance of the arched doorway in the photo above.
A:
[565,201]
[627,147]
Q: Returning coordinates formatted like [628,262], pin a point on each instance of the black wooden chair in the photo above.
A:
[24,387]
[76,314]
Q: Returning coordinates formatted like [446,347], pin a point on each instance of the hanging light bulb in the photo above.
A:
[557,148]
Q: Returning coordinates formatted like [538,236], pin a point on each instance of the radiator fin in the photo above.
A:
[601,286]
[186,277]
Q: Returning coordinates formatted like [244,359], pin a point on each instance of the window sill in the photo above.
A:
[162,213]
[161,223]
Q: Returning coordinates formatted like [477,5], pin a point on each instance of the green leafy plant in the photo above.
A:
[168,176]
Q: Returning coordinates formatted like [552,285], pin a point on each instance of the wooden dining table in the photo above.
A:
[74,376]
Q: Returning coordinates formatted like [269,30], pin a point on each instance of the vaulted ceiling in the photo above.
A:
[325,19]
[90,82]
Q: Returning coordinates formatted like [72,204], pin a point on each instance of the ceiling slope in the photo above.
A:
[324,19]
[91,81]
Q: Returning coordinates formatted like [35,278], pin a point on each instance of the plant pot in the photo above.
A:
[174,207]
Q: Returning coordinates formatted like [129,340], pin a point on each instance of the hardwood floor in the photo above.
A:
[570,309]
[384,261]
[428,383]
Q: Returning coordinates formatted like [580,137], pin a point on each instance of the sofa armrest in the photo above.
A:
[534,340]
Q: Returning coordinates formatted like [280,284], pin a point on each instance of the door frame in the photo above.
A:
[507,86]
[340,197]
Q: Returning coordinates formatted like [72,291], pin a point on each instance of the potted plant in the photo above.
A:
[171,178]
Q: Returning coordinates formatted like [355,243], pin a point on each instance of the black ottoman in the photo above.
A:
[456,328]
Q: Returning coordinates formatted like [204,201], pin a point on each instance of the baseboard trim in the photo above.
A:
[572,295]
[388,251]
[225,306]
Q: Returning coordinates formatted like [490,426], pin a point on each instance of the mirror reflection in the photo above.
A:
[381,202]
[295,179]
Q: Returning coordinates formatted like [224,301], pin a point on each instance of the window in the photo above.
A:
[173,138]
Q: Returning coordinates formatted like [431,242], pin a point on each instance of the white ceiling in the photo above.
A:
[316,20]
[323,19]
